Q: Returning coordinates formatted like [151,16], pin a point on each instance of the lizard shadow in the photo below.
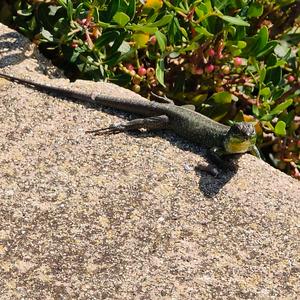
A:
[8,41]
[209,184]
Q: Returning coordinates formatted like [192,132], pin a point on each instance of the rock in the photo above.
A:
[119,217]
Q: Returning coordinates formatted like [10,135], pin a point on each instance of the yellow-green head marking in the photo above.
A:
[240,138]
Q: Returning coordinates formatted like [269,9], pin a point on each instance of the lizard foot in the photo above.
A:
[151,123]
[113,129]
[208,169]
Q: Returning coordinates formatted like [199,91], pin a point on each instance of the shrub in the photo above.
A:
[235,60]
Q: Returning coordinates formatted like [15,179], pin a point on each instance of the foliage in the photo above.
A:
[233,59]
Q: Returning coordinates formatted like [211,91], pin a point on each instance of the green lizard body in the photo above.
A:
[221,139]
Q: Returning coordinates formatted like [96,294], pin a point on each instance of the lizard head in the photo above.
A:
[240,138]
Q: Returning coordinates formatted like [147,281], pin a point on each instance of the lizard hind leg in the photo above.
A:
[151,123]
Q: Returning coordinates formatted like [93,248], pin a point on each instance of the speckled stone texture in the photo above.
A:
[127,216]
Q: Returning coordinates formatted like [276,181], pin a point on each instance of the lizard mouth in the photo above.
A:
[237,145]
[240,138]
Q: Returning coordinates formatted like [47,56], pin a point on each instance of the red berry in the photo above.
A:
[150,72]
[130,67]
[220,56]
[136,88]
[237,61]
[226,70]
[142,71]
[196,70]
[209,68]
[211,52]
[290,78]
[153,40]
[74,45]
[136,79]
[132,73]
[199,71]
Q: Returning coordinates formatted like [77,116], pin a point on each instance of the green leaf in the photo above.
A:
[112,60]
[266,92]
[288,118]
[47,35]
[279,63]
[234,20]
[173,31]
[231,30]
[63,3]
[280,128]
[191,47]
[255,10]
[151,18]
[131,9]
[276,93]
[70,9]
[163,21]
[220,4]
[262,40]
[293,38]
[184,32]
[106,38]
[142,28]
[262,74]
[255,110]
[119,41]
[199,98]
[274,75]
[268,49]
[53,9]
[121,18]
[257,43]
[25,12]
[268,125]
[277,110]
[208,5]
[160,71]
[222,97]
[124,47]
[174,54]
[282,50]
[162,40]
[112,9]
[241,44]
[199,12]
[281,107]
[271,60]
[202,32]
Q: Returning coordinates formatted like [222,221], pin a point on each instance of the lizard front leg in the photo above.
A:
[151,123]
[221,160]
[225,161]
[255,151]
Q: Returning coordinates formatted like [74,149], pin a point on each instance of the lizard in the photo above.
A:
[221,140]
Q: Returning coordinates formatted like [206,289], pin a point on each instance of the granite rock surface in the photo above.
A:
[127,216]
